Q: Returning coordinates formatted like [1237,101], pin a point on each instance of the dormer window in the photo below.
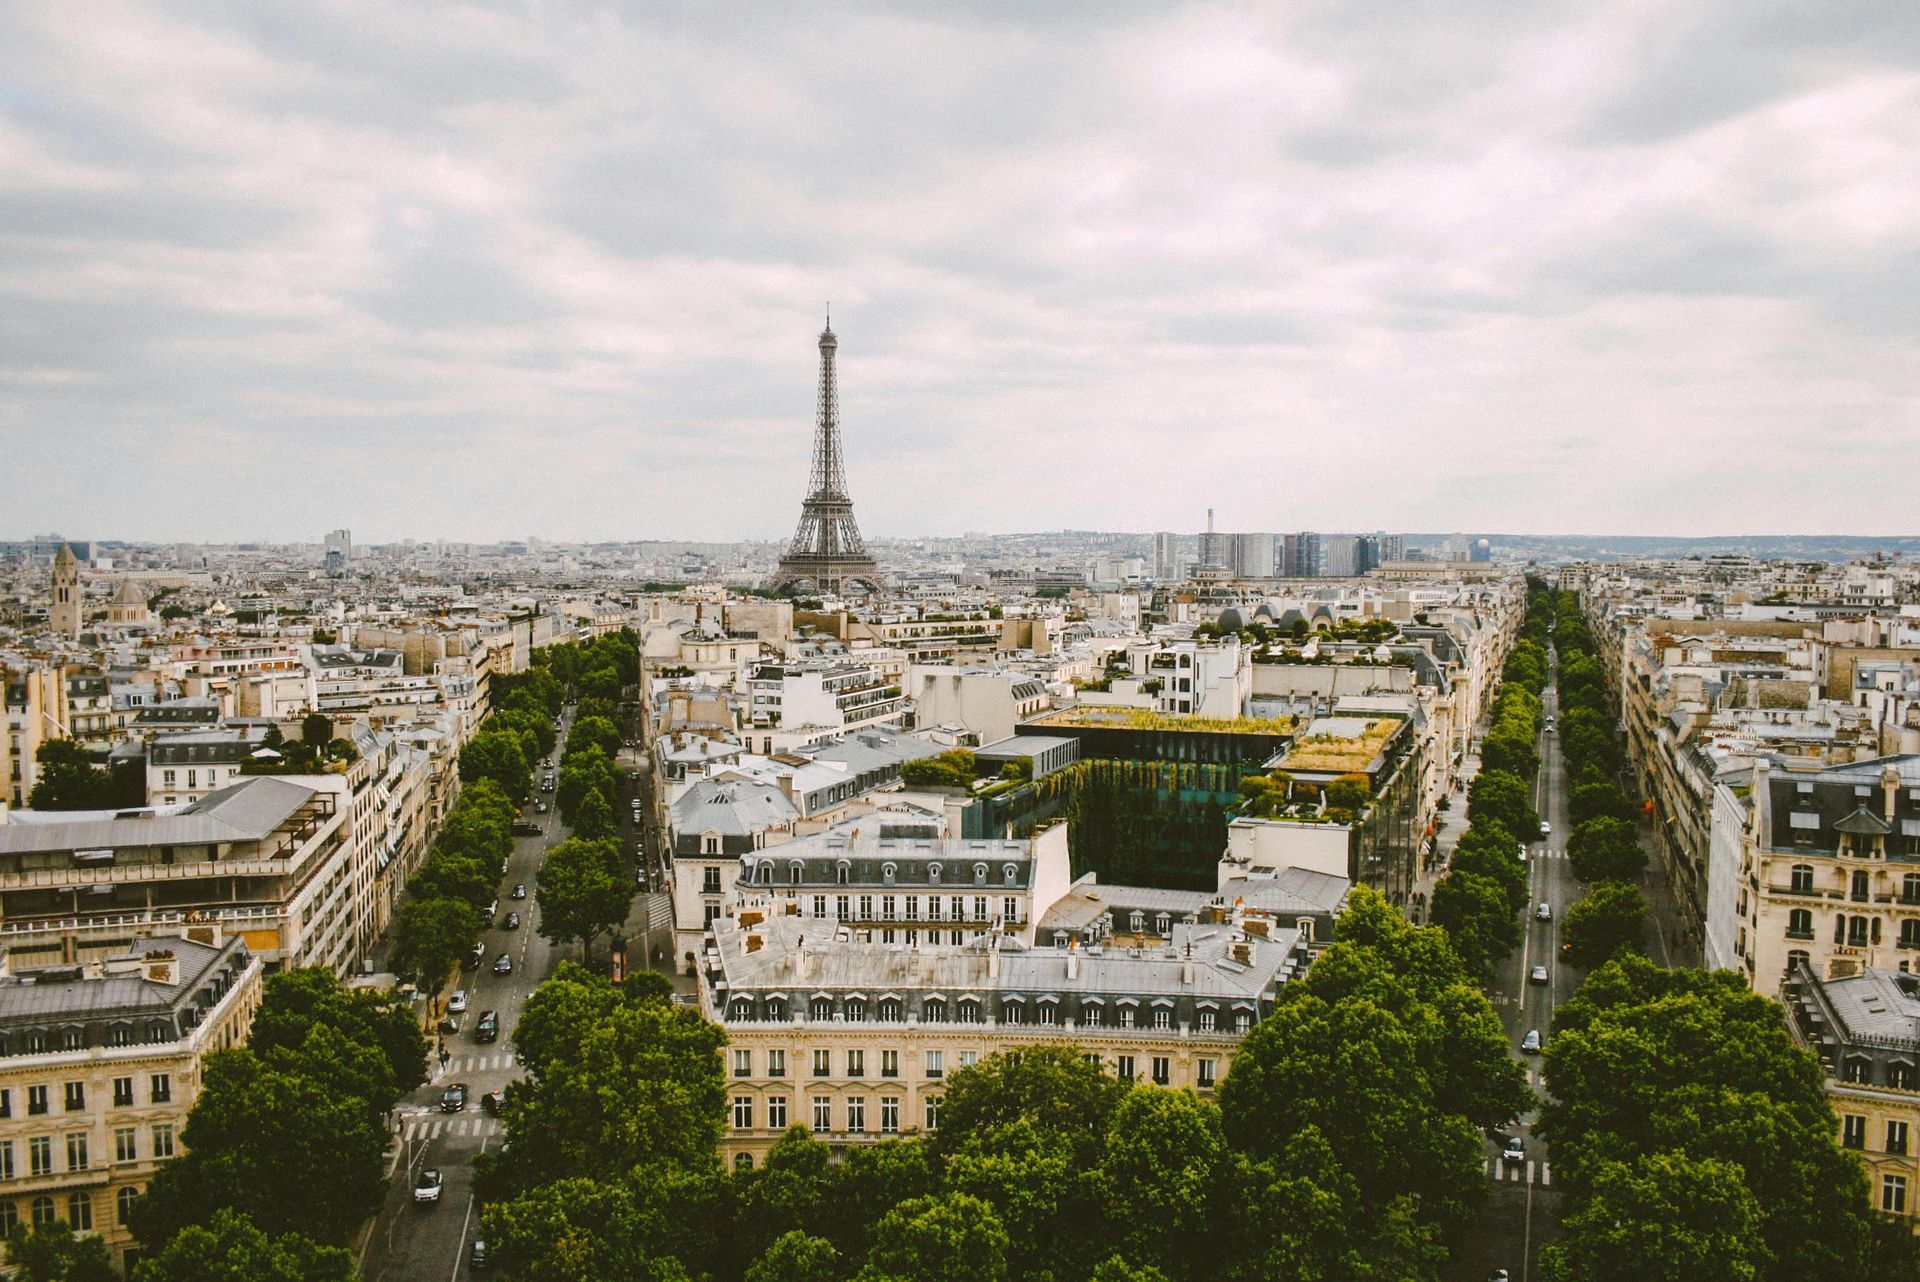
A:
[794,873]
[1011,873]
[886,874]
[842,872]
[933,874]
[979,874]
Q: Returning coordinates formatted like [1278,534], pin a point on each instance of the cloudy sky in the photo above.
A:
[476,271]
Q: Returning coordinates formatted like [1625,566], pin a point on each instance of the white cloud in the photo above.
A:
[478,270]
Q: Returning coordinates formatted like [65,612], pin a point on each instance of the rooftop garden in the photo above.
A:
[1107,718]
[1339,753]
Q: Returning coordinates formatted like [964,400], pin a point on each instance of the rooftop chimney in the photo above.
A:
[161,967]
[1073,958]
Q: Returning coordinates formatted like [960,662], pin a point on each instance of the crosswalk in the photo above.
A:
[460,1065]
[659,911]
[433,1128]
[1550,852]
[1540,1173]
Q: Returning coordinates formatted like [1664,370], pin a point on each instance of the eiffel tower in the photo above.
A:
[827,550]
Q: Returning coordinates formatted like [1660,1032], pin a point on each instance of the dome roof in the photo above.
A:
[128,594]
[1232,619]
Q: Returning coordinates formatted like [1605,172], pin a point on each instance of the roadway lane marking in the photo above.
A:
[460,1250]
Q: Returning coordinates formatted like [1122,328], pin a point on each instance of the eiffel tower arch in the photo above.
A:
[827,550]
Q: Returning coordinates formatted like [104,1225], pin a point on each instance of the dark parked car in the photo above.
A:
[454,1098]
[519,890]
[510,922]
[488,1029]
[477,1256]
[504,965]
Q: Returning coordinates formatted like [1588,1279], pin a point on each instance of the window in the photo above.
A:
[866,908]
[1860,888]
[709,881]
[856,1063]
[856,1011]
[793,874]
[821,1010]
[6,1159]
[1126,1017]
[840,874]
[1910,888]
[777,1112]
[71,1039]
[40,1155]
[889,907]
[1910,933]
[1010,910]
[886,874]
[1900,1075]
[819,905]
[9,1216]
[1123,1067]
[979,874]
[936,1064]
[913,908]
[1893,1194]
[1853,1131]
[933,874]
[1207,1068]
[6,1100]
[821,1065]
[822,1114]
[160,1088]
[1162,1070]
[936,1011]
[1092,1016]
[889,1063]
[126,1145]
[741,1010]
[76,1097]
[890,1010]
[969,1058]
[857,1115]
[123,1092]
[933,1113]
[743,1112]
[1162,1017]
[1242,1020]
[1009,875]
[1207,1021]
[163,1140]
[776,1063]
[36,1099]
[776,1008]
[743,1161]
[743,1063]
[889,1115]
[77,1151]
[840,908]
[123,1205]
[1896,1137]
[80,1212]
[1857,1069]
[710,913]
[1800,924]
[1013,1012]
[43,1213]
[1049,1013]
[980,908]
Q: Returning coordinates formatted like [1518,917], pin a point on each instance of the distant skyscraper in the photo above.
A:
[337,550]
[1301,555]
[1339,556]
[1215,548]
[1166,557]
[1366,553]
[1393,547]
[1251,556]
[827,550]
[64,612]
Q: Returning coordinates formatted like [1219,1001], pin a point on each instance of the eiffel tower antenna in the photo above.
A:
[827,550]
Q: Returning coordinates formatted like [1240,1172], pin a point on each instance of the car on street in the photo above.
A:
[475,955]
[503,965]
[539,807]
[640,878]
[1544,912]
[488,1029]
[510,922]
[477,1257]
[519,890]
[1546,829]
[1538,975]
[454,1098]
[1530,1044]
[426,1189]
[1499,1275]
[457,1004]
[526,830]
[491,1101]
[1515,1151]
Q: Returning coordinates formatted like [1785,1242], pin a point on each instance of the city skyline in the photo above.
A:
[271,273]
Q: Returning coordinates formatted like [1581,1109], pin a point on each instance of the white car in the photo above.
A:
[1544,912]
[1546,829]
[426,1189]
[1538,975]
[457,1004]
[1515,1152]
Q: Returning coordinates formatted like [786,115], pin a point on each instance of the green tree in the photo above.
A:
[594,732]
[449,876]
[294,1002]
[868,1183]
[1037,1192]
[1053,1087]
[593,820]
[497,754]
[1160,1170]
[67,779]
[1610,917]
[254,1139]
[228,1248]
[797,1257]
[1478,916]
[937,1239]
[582,891]
[1663,1217]
[636,1087]
[316,731]
[54,1253]
[1501,796]
[1606,850]
[1350,792]
[430,936]
[1602,800]
[582,773]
